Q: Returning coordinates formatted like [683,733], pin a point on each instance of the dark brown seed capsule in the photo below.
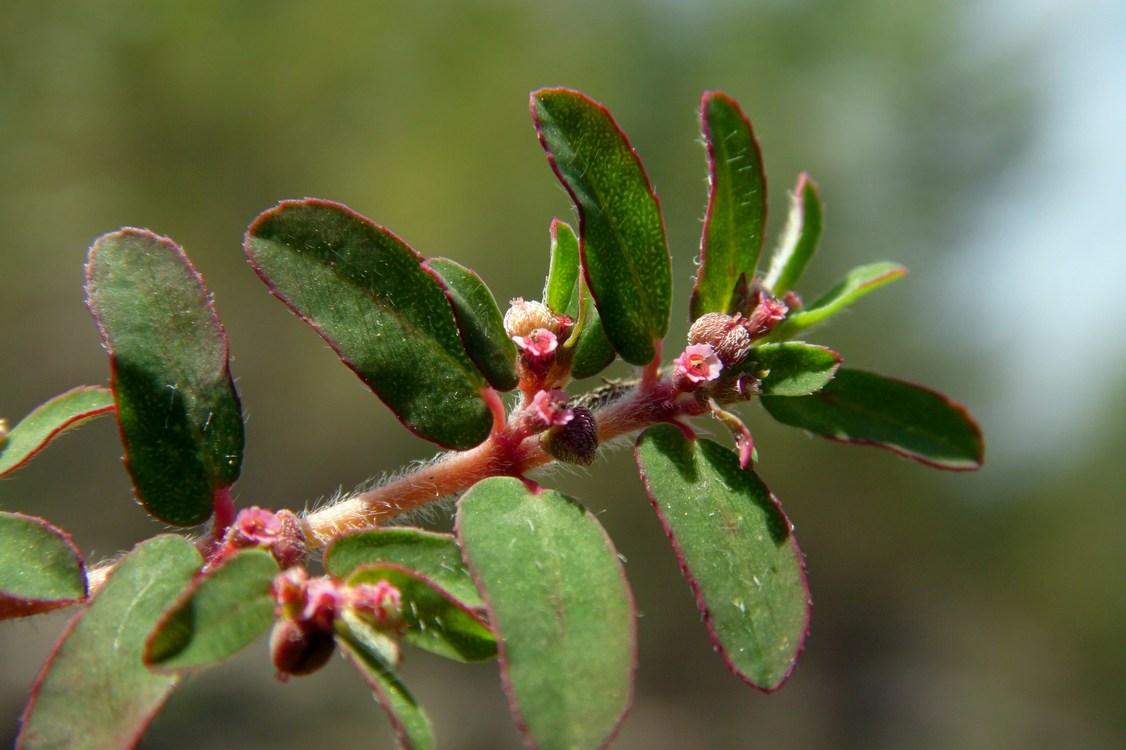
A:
[575,442]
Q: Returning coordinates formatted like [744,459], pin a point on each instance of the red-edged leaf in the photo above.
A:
[735,223]
[94,692]
[40,568]
[366,293]
[177,407]
[48,421]
[870,409]
[737,549]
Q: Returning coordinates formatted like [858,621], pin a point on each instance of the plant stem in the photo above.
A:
[505,453]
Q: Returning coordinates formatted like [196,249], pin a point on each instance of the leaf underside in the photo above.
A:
[411,724]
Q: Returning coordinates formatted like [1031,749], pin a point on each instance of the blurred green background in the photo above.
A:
[976,141]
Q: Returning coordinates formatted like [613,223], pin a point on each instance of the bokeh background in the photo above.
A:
[977,141]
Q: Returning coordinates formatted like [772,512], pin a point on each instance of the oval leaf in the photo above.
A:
[799,239]
[857,283]
[176,404]
[625,255]
[411,724]
[735,223]
[737,549]
[365,292]
[95,692]
[433,619]
[40,568]
[435,556]
[793,368]
[592,351]
[49,420]
[863,407]
[220,614]
[559,603]
[479,322]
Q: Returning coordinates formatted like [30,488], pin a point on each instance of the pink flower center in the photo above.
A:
[699,363]
[551,407]
[539,344]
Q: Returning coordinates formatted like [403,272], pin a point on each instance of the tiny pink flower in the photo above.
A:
[698,363]
[381,601]
[539,344]
[256,525]
[322,601]
[551,407]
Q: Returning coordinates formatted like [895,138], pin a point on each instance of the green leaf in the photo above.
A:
[176,403]
[40,568]
[863,407]
[95,692]
[412,726]
[48,420]
[592,350]
[793,368]
[799,239]
[625,256]
[736,219]
[365,292]
[434,555]
[433,618]
[221,613]
[856,284]
[737,549]
[479,322]
[561,289]
[559,603]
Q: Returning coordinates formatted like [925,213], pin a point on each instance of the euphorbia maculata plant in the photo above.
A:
[529,576]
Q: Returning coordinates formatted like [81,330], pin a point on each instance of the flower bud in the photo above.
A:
[524,317]
[725,334]
[767,312]
[575,442]
[299,648]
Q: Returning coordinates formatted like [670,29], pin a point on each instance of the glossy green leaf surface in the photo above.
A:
[411,724]
[95,692]
[49,420]
[219,615]
[735,223]
[558,600]
[40,569]
[625,255]
[365,292]
[737,549]
[857,283]
[863,407]
[799,239]
[793,368]
[479,322]
[593,352]
[434,555]
[432,617]
[176,403]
